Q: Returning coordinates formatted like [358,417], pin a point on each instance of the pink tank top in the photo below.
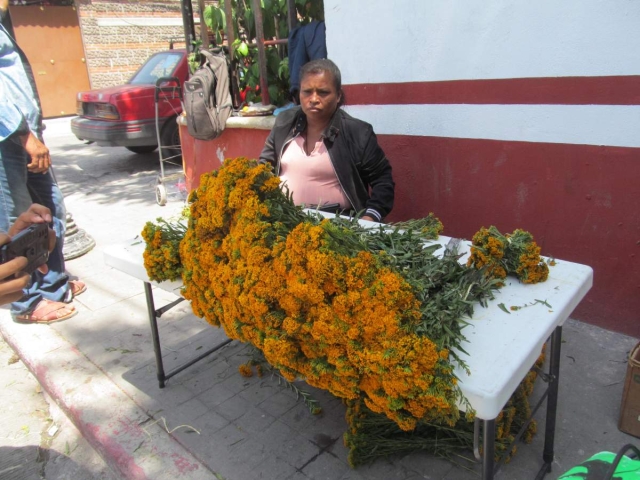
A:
[311,178]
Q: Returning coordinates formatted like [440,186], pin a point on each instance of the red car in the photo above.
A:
[124,116]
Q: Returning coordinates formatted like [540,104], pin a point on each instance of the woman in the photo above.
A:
[327,158]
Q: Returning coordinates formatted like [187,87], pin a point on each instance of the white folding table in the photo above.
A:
[502,346]
[127,258]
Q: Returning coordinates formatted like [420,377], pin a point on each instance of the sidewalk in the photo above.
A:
[210,422]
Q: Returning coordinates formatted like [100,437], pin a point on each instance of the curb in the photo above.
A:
[131,443]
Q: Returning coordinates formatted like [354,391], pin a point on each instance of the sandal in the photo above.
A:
[76,287]
[47,311]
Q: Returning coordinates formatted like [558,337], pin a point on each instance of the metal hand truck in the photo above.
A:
[168,88]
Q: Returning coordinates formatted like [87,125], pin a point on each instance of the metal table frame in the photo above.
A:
[489,466]
[154,314]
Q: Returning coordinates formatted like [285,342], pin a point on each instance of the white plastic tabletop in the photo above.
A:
[127,257]
[502,346]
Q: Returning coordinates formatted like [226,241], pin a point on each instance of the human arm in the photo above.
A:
[375,171]
[38,152]
[12,119]
[12,279]
[13,125]
[268,154]
[19,109]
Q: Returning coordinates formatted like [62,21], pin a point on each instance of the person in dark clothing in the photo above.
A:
[306,43]
[327,158]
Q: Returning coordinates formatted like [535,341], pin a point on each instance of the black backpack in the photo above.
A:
[207,99]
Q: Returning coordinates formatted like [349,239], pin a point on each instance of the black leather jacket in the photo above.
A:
[359,163]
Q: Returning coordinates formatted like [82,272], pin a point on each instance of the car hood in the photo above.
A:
[113,94]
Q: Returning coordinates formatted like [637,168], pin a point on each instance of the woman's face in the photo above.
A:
[319,97]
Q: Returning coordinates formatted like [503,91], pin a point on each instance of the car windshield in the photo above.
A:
[160,65]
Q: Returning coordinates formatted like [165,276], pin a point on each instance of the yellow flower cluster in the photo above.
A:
[245,370]
[341,321]
[161,255]
[370,435]
[511,254]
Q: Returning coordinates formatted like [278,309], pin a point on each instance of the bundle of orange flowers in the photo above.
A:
[511,254]
[162,250]
[350,310]
[269,275]
[370,435]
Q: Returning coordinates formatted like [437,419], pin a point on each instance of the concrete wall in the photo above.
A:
[242,137]
[120,35]
[514,114]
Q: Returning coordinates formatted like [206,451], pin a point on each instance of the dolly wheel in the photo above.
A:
[161,195]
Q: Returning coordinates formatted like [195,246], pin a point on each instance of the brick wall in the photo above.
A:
[120,35]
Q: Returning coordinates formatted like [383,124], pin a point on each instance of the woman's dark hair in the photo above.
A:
[324,65]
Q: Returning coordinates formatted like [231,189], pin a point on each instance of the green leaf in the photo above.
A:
[268,25]
[274,94]
[544,302]
[243,49]
[251,24]
[208,16]
[283,69]
[221,19]
[273,61]
[503,308]
[255,70]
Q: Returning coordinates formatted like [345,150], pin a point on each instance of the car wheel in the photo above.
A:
[170,140]
[143,149]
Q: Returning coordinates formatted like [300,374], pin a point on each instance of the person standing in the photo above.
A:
[26,177]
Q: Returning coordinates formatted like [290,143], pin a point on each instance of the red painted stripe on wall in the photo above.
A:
[610,90]
[579,201]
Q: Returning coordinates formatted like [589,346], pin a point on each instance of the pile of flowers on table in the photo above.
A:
[371,315]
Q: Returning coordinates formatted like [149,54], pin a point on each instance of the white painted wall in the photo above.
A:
[378,41]
[611,125]
[382,41]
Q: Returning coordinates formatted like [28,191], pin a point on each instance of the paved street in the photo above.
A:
[37,440]
[209,422]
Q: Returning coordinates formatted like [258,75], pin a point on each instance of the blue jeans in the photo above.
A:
[19,188]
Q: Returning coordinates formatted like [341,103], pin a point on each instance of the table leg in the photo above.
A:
[488,447]
[153,320]
[552,402]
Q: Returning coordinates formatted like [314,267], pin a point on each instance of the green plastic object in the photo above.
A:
[597,467]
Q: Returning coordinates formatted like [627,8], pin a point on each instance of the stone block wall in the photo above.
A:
[119,36]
